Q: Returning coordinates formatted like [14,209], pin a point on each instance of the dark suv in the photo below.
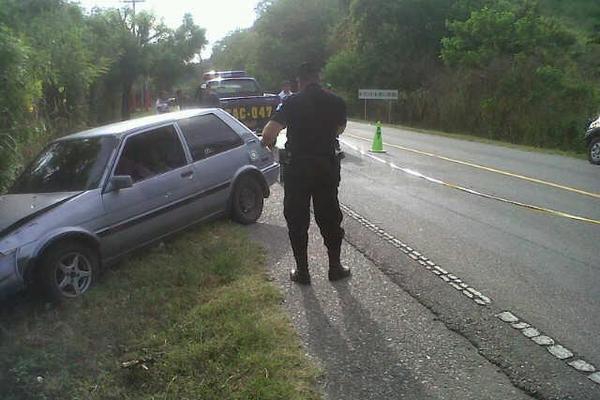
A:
[592,139]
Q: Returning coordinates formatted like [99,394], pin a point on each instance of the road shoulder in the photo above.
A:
[373,339]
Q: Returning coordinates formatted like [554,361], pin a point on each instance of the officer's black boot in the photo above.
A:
[336,270]
[300,274]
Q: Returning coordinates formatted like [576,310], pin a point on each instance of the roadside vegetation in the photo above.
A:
[63,69]
[194,318]
[518,71]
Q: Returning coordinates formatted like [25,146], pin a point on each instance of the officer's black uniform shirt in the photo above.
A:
[312,118]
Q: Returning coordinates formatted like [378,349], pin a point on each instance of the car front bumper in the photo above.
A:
[10,279]
[271,173]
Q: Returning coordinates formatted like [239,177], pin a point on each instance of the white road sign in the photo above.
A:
[377,94]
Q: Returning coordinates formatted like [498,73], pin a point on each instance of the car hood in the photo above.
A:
[18,209]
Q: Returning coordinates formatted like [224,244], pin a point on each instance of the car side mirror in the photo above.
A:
[119,182]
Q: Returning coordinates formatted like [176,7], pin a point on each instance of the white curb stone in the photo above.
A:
[507,317]
[595,377]
[474,291]
[530,332]
[440,269]
[520,325]
[560,352]
[583,366]
[543,340]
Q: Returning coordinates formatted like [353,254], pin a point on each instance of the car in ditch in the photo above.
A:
[90,198]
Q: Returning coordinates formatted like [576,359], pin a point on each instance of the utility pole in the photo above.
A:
[133,3]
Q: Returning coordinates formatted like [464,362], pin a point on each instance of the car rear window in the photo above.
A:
[235,87]
[207,136]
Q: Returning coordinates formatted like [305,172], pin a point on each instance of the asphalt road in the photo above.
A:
[542,266]
[372,339]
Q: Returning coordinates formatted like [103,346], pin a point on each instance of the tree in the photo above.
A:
[237,51]
[173,52]
[520,66]
[19,91]
[285,34]
[62,69]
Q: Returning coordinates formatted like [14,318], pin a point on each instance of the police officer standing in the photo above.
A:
[314,118]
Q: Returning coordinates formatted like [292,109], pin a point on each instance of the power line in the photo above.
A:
[133,3]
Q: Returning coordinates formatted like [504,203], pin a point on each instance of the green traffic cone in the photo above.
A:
[377,140]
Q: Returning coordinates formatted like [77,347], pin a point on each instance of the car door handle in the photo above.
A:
[187,174]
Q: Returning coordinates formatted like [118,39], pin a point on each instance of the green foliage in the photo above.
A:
[61,69]
[518,64]
[504,31]
[296,32]
[19,89]
[286,33]
[173,52]
[580,14]
[522,71]
[400,40]
[237,51]
[347,71]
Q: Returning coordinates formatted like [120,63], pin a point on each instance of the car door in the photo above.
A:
[217,154]
[158,166]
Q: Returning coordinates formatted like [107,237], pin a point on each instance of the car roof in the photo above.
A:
[120,129]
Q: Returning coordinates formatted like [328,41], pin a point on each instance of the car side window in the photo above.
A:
[207,135]
[151,153]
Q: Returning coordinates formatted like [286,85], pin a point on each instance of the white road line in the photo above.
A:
[417,174]
[486,168]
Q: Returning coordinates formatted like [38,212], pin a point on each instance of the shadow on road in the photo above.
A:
[359,363]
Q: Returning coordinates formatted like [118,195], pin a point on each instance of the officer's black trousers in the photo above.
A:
[316,178]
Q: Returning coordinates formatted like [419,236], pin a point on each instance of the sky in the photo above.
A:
[218,17]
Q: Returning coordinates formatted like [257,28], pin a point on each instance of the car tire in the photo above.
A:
[67,270]
[247,201]
[594,150]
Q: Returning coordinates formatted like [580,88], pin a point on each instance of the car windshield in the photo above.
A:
[66,166]
[235,87]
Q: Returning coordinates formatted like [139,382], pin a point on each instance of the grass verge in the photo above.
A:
[477,139]
[193,319]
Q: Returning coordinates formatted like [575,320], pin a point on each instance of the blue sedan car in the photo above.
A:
[92,197]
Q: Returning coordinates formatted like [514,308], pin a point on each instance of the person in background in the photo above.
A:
[180,99]
[206,97]
[328,87]
[162,103]
[286,90]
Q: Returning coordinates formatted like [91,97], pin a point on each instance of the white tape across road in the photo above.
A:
[470,191]
[485,168]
